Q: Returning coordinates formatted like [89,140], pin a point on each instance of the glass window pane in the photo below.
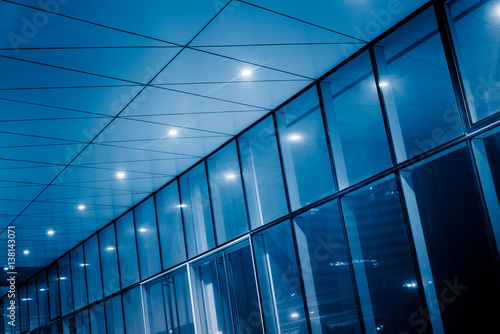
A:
[127,250]
[476,28]
[23,305]
[114,315]
[173,248]
[93,269]
[65,285]
[155,306]
[446,216]
[147,238]
[355,122]
[278,276]
[132,306]
[326,270]
[4,315]
[417,88]
[78,276]
[33,303]
[97,319]
[305,155]
[43,298]
[109,260]
[82,322]
[262,175]
[53,278]
[382,260]
[69,326]
[226,191]
[56,328]
[181,301]
[196,210]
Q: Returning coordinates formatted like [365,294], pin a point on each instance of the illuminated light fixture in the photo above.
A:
[246,73]
[81,207]
[50,232]
[294,315]
[173,133]
[230,176]
[120,175]
[26,252]
[143,230]
[6,268]
[83,264]
[294,137]
[42,289]
[181,205]
[383,84]
[110,248]
[62,278]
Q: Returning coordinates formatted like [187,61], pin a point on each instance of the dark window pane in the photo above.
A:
[305,155]
[382,261]
[53,277]
[109,261]
[196,210]
[97,319]
[82,322]
[33,303]
[226,192]
[93,269]
[65,285]
[147,238]
[476,28]
[278,275]
[355,122]
[416,86]
[170,226]
[262,175]
[78,276]
[132,306]
[43,298]
[326,271]
[114,316]
[56,328]
[445,211]
[23,305]
[69,326]
[127,250]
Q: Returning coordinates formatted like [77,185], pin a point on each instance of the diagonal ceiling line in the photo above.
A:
[51,119]
[178,126]
[43,137]
[54,107]
[303,21]
[104,128]
[272,44]
[227,82]
[193,113]
[149,150]
[68,87]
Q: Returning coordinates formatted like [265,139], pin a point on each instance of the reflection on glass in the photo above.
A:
[226,191]
[355,123]
[168,304]
[262,175]
[382,260]
[173,248]
[53,281]
[195,204]
[97,319]
[417,88]
[326,271]
[477,29]
[132,307]
[78,276]
[43,298]
[82,322]
[147,238]
[457,260]
[23,305]
[68,325]
[93,269]
[32,303]
[305,155]
[65,285]
[279,282]
[127,250]
[109,260]
[114,316]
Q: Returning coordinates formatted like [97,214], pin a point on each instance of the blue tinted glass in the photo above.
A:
[417,88]
[82,322]
[114,315]
[2,328]
[226,191]
[78,276]
[23,305]
[32,303]
[109,260]
[65,285]
[155,306]
[445,211]
[43,298]
[305,155]
[68,325]
[53,280]
[173,248]
[326,270]
[279,285]
[147,238]
[382,260]
[132,306]
[476,28]
[56,328]
[127,250]
[262,175]
[93,268]
[181,300]
[355,122]
[97,319]
[196,210]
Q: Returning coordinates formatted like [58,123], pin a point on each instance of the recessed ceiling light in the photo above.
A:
[110,248]
[143,230]
[42,289]
[246,73]
[173,132]
[26,252]
[294,137]
[181,205]
[230,176]
[50,232]
[383,84]
[62,278]
[83,264]
[6,268]
[120,175]
[81,207]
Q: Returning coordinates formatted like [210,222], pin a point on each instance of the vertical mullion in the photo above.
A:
[179,196]
[282,165]
[85,272]
[210,202]
[71,282]
[257,283]
[117,257]
[245,201]
[137,245]
[158,233]
[100,263]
